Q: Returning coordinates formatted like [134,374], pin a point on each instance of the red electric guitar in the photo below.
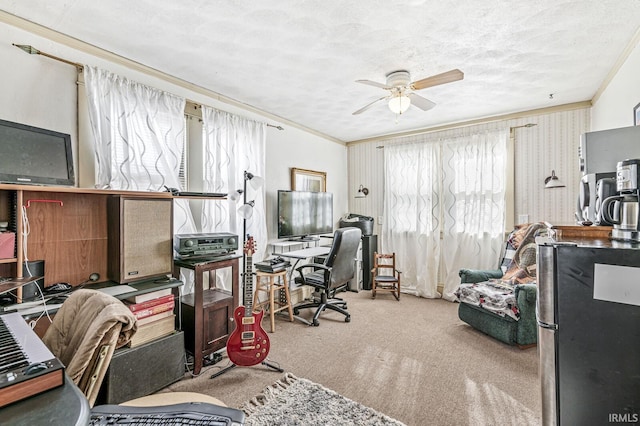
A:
[248,344]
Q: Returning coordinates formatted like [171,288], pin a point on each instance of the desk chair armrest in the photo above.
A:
[312,265]
[315,266]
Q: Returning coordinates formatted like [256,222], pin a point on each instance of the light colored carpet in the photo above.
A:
[412,360]
[296,401]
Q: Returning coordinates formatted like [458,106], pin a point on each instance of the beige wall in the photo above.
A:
[613,106]
[40,91]
[550,145]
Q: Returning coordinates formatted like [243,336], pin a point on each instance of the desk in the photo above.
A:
[307,253]
[64,405]
[299,255]
[285,245]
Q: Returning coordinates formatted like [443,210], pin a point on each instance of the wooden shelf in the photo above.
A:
[68,229]
[142,287]
[76,190]
[208,313]
[209,297]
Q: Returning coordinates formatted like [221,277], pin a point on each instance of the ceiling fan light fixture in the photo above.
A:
[399,104]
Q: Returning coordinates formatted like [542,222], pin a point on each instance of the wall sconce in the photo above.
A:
[362,192]
[553,181]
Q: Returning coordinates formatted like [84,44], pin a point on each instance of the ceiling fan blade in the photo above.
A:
[367,106]
[374,84]
[422,103]
[435,80]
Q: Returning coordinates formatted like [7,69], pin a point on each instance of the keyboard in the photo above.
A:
[189,413]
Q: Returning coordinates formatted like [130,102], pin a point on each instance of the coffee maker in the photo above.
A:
[594,189]
[623,210]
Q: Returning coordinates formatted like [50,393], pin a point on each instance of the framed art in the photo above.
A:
[308,180]
[636,115]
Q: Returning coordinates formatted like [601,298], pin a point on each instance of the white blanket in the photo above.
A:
[495,296]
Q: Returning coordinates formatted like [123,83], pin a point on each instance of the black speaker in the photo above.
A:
[140,241]
[143,370]
[33,268]
[369,246]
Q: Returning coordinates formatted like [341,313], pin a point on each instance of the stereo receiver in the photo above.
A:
[214,244]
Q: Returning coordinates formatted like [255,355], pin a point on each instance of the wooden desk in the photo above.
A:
[207,315]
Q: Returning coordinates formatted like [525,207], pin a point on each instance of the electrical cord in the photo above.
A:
[26,230]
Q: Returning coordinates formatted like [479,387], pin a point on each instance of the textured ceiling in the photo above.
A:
[299,59]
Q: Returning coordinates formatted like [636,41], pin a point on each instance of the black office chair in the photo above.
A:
[333,275]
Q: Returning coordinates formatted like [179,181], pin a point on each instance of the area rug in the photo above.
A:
[297,401]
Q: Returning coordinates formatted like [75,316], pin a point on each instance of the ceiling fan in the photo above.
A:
[402,90]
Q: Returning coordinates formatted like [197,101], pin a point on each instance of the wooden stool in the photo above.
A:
[269,286]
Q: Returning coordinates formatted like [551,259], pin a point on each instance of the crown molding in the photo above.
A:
[90,49]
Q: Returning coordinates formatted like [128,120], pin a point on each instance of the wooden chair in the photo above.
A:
[384,275]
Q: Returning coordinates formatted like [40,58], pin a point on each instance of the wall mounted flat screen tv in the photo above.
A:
[30,155]
[302,213]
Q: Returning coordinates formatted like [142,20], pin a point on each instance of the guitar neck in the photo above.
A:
[248,286]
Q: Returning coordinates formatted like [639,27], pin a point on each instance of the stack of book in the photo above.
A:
[154,315]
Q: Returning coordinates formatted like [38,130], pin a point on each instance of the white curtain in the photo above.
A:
[139,137]
[411,225]
[444,207]
[233,145]
[474,182]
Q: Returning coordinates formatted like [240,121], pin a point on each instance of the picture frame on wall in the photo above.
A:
[308,180]
[636,115]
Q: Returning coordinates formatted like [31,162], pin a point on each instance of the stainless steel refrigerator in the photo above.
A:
[588,311]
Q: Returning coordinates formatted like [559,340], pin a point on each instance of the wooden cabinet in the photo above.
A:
[65,227]
[69,228]
[207,313]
